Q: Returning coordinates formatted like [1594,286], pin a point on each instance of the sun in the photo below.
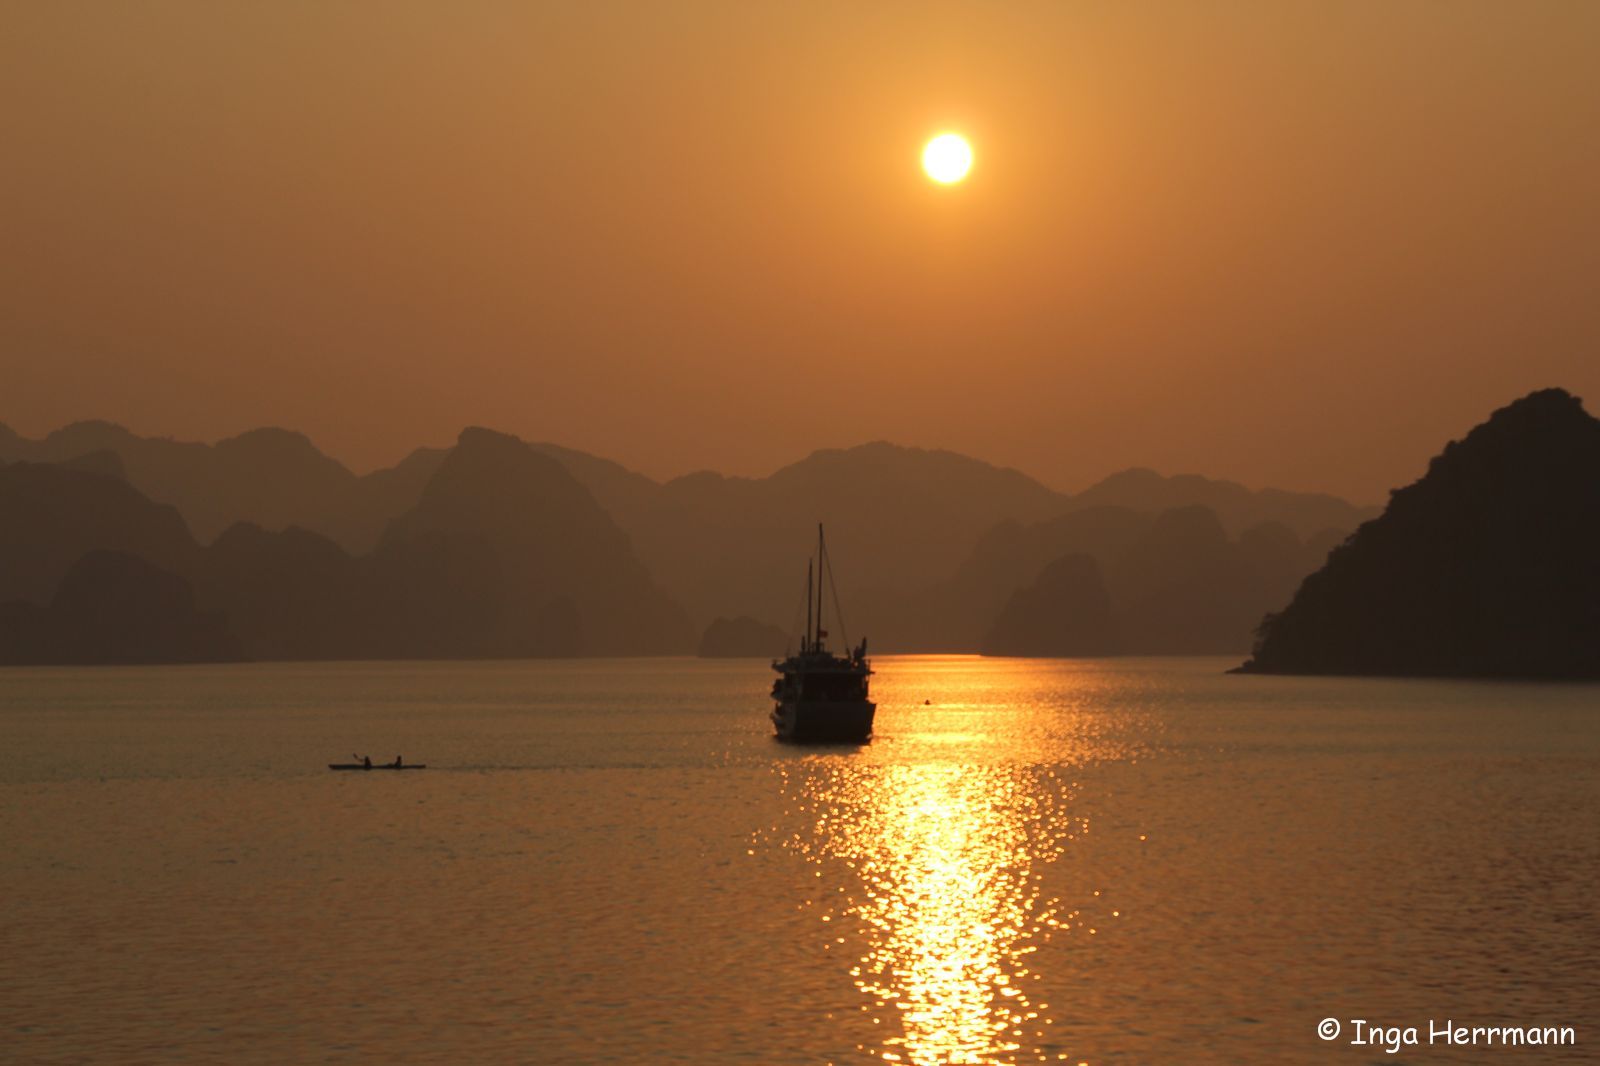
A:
[947,158]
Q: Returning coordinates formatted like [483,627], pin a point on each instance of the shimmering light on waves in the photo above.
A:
[932,847]
[949,860]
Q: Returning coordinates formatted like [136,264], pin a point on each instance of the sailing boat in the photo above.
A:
[820,696]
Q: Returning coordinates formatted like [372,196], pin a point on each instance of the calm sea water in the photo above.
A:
[1140,861]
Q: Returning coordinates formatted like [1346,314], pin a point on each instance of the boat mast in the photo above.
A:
[806,638]
[822,562]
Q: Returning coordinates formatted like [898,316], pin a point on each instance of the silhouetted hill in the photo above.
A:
[507,554]
[900,518]
[294,594]
[503,554]
[1066,611]
[1322,543]
[1238,508]
[1275,562]
[1183,587]
[378,498]
[897,519]
[106,464]
[619,490]
[957,613]
[1177,583]
[112,607]
[53,515]
[928,545]
[278,479]
[1012,554]
[1488,566]
[269,477]
[742,638]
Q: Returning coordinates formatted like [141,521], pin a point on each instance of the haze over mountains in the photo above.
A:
[496,547]
[274,478]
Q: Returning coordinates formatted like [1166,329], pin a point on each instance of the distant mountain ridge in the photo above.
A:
[896,518]
[51,516]
[275,478]
[1238,508]
[566,579]
[112,607]
[902,521]
[494,547]
[742,638]
[504,555]
[1153,584]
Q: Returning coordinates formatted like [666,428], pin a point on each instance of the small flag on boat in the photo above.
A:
[821,633]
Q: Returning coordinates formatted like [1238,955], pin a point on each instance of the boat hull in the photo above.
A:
[824,721]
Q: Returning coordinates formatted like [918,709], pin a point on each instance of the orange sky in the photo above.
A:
[1290,244]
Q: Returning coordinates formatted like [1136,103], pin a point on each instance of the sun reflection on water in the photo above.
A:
[948,859]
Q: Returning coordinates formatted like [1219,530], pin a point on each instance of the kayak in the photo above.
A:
[376,766]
